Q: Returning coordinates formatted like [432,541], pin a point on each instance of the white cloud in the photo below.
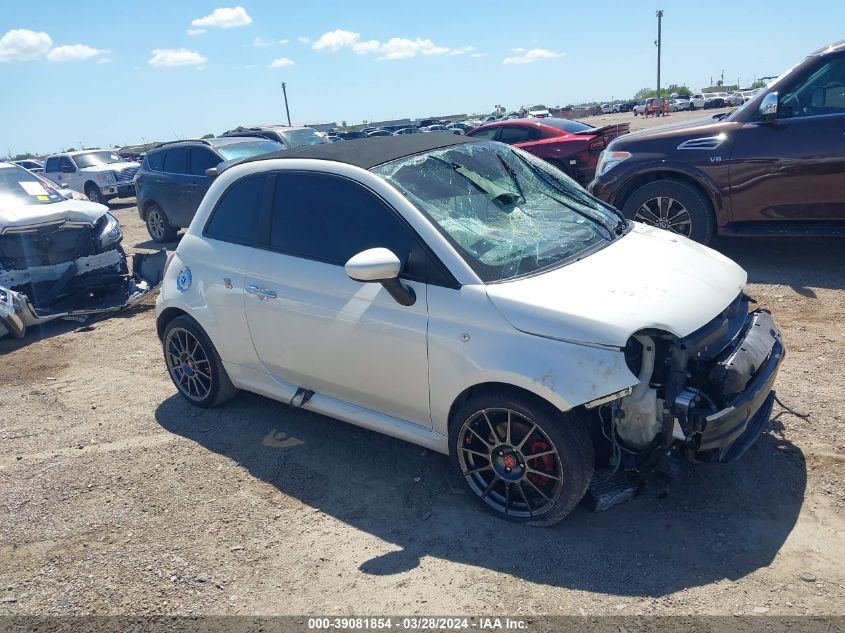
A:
[23,45]
[283,41]
[176,57]
[74,53]
[394,48]
[370,46]
[529,57]
[260,42]
[224,18]
[335,40]
[303,39]
[281,62]
[196,31]
[478,55]
[104,60]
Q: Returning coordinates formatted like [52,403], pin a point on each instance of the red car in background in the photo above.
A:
[572,146]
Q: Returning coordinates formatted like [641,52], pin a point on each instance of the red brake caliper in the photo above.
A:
[548,461]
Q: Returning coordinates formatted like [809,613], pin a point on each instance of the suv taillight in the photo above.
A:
[597,145]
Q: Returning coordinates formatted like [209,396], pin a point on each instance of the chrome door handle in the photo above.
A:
[261,293]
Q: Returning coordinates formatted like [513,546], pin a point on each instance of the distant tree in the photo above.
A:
[70,149]
[645,93]
[758,84]
[207,136]
[23,156]
[683,91]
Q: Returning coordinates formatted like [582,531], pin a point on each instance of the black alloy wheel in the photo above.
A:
[194,364]
[521,459]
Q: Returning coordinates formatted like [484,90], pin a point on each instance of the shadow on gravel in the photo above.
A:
[725,522]
[800,263]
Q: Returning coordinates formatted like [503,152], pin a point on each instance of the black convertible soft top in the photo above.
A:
[367,152]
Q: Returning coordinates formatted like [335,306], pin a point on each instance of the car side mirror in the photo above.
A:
[64,185]
[768,108]
[380,265]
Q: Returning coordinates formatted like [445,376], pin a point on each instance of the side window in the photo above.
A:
[202,159]
[155,160]
[175,160]
[822,91]
[52,165]
[66,165]
[330,219]
[512,134]
[235,218]
[489,133]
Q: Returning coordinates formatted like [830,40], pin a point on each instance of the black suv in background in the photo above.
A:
[172,182]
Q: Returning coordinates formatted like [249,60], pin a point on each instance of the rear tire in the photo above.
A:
[194,365]
[158,226]
[520,458]
[674,206]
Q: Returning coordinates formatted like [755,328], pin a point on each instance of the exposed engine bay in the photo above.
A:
[702,398]
[60,269]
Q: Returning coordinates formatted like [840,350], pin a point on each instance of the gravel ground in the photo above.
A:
[116,497]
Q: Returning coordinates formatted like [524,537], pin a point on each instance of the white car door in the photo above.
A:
[314,327]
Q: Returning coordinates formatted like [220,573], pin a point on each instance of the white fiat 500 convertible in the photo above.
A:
[470,298]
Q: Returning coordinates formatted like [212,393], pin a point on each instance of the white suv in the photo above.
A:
[468,297]
[98,173]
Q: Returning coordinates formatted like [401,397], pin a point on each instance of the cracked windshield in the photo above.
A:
[508,213]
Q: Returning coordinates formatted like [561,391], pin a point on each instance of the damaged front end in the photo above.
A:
[63,269]
[705,397]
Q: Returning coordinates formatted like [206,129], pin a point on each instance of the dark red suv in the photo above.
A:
[775,166]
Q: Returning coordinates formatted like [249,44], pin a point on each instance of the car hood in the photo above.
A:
[662,136]
[15,216]
[117,167]
[649,278]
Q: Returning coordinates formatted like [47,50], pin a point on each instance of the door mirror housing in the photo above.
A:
[768,108]
[380,265]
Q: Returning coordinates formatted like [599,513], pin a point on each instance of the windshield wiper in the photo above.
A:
[594,220]
[512,174]
[486,186]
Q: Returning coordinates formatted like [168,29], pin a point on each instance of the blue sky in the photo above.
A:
[105,73]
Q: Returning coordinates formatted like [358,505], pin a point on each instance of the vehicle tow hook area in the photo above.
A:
[301,397]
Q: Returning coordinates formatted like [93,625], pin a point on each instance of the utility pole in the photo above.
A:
[285,93]
[658,43]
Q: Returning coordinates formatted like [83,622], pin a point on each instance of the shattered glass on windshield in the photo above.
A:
[508,213]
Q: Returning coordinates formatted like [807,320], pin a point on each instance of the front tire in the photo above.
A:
[520,458]
[158,226]
[194,364]
[92,192]
[674,206]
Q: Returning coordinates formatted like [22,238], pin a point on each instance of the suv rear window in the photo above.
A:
[235,218]
[155,160]
[175,160]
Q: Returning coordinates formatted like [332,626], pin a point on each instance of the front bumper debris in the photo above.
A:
[727,373]
[17,311]
[119,190]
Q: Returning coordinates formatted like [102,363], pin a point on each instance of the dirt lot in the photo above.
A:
[118,497]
